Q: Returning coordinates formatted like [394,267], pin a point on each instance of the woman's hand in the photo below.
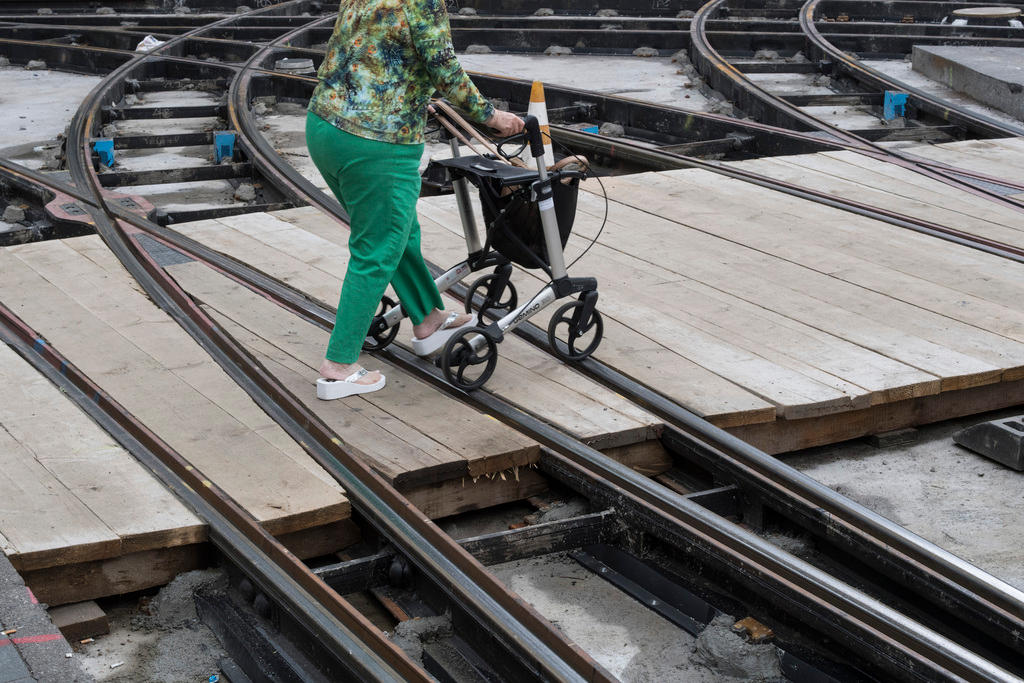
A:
[506,123]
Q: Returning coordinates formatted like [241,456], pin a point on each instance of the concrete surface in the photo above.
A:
[173,196]
[653,79]
[27,127]
[992,75]
[849,117]
[903,71]
[36,650]
[629,640]
[158,639]
[963,502]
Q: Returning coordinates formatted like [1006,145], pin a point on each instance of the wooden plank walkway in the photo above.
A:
[1002,158]
[841,325]
[789,323]
[73,496]
[78,297]
[307,250]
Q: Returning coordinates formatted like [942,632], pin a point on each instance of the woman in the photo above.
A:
[364,130]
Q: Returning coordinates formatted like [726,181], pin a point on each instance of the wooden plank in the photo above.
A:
[810,242]
[115,576]
[407,408]
[400,454]
[923,340]
[798,352]
[187,361]
[466,494]
[204,433]
[787,436]
[533,381]
[962,270]
[972,272]
[910,184]
[44,521]
[282,266]
[897,189]
[1002,158]
[665,324]
[707,394]
[89,464]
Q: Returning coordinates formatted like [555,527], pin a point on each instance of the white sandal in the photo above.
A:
[433,342]
[330,389]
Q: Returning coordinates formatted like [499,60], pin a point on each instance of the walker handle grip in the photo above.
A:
[534,136]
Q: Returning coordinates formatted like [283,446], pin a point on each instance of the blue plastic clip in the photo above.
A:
[590,129]
[894,104]
[223,145]
[105,148]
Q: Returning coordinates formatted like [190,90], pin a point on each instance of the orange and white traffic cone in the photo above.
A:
[539,108]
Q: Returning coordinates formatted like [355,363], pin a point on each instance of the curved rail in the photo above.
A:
[947,111]
[536,642]
[749,96]
[344,631]
[923,648]
[873,527]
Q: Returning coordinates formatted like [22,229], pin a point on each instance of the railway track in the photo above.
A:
[948,598]
[696,523]
[864,91]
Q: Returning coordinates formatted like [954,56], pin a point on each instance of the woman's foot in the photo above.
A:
[339,380]
[342,371]
[436,329]
[434,320]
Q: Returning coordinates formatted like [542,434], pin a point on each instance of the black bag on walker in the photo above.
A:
[513,221]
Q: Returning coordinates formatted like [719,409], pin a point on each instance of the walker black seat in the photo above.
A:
[477,168]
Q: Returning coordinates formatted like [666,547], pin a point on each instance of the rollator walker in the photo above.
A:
[529,215]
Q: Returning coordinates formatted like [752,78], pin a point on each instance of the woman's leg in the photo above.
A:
[413,282]
[380,185]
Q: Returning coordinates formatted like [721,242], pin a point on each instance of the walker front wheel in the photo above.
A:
[379,335]
[469,358]
[571,337]
[496,303]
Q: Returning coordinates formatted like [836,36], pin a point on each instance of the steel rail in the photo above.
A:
[750,97]
[325,319]
[965,579]
[668,410]
[534,642]
[998,597]
[796,138]
[579,139]
[318,312]
[114,32]
[298,188]
[345,632]
[907,645]
[947,111]
[892,639]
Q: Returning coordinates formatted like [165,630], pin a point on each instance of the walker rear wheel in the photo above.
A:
[496,304]
[379,336]
[466,367]
[579,338]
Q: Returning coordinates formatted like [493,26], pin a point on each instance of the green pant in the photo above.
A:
[378,184]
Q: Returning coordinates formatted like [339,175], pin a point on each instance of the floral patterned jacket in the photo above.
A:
[384,61]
